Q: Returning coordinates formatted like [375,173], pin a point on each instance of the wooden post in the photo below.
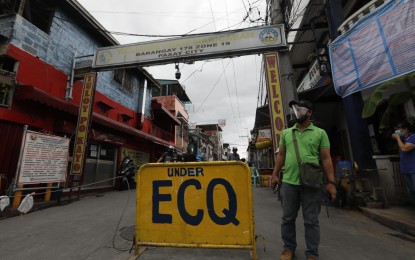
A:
[17,197]
[48,192]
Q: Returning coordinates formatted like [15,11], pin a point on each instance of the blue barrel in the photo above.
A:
[344,169]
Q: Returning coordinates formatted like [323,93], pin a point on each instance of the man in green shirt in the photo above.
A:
[313,146]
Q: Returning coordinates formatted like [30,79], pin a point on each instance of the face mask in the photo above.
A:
[299,113]
[399,132]
[301,119]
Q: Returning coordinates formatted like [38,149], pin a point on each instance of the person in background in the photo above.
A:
[313,144]
[169,156]
[189,156]
[405,138]
[234,156]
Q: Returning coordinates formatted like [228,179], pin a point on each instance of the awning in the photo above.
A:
[324,93]
[262,117]
[103,120]
[263,144]
[27,92]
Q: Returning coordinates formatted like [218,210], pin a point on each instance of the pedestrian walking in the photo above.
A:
[189,156]
[234,156]
[405,138]
[301,149]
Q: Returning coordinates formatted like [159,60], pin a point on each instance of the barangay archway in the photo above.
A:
[192,48]
[184,50]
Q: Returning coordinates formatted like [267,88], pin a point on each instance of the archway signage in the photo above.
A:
[177,203]
[192,48]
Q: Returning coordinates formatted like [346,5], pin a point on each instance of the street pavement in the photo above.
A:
[92,228]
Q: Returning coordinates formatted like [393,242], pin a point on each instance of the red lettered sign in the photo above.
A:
[84,120]
[275,98]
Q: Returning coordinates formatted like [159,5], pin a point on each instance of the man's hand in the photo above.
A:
[331,189]
[395,136]
[274,181]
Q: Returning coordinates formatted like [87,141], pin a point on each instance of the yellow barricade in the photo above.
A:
[198,204]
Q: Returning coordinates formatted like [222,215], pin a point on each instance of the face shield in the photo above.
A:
[298,112]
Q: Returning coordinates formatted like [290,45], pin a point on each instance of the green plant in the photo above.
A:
[394,100]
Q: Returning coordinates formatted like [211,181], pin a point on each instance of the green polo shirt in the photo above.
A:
[310,142]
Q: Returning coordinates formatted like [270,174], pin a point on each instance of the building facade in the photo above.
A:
[361,139]
[45,50]
[172,95]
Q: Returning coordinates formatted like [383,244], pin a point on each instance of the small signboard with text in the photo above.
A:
[44,158]
[205,204]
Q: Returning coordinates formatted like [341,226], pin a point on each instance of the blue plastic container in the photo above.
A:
[344,169]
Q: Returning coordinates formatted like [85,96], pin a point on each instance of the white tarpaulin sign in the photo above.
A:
[264,133]
[377,48]
[44,158]
[194,47]
[222,122]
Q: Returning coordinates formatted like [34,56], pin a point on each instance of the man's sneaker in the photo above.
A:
[312,257]
[287,255]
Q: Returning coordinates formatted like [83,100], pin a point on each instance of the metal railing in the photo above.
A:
[399,182]
[160,133]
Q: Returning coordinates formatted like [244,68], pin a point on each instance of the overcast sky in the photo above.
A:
[214,94]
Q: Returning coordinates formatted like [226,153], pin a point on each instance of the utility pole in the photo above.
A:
[289,91]
[21,7]
[280,87]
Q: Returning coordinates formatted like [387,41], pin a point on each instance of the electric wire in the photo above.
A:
[81,186]
[170,14]
[197,70]
[119,220]
[214,86]
[122,214]
[223,66]
[234,80]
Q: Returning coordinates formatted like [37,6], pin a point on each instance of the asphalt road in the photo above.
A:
[85,229]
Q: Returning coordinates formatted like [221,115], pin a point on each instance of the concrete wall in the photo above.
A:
[66,41]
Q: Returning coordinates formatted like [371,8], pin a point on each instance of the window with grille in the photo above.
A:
[125,79]
[7,81]
[39,12]
[6,94]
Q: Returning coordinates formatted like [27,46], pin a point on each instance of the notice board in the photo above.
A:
[44,158]
[377,48]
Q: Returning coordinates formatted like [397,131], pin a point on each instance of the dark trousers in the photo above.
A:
[292,196]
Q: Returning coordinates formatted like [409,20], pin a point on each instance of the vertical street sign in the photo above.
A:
[276,109]
[84,122]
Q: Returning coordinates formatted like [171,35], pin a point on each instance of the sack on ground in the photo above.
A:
[311,175]
[27,204]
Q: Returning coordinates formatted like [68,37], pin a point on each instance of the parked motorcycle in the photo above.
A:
[127,172]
